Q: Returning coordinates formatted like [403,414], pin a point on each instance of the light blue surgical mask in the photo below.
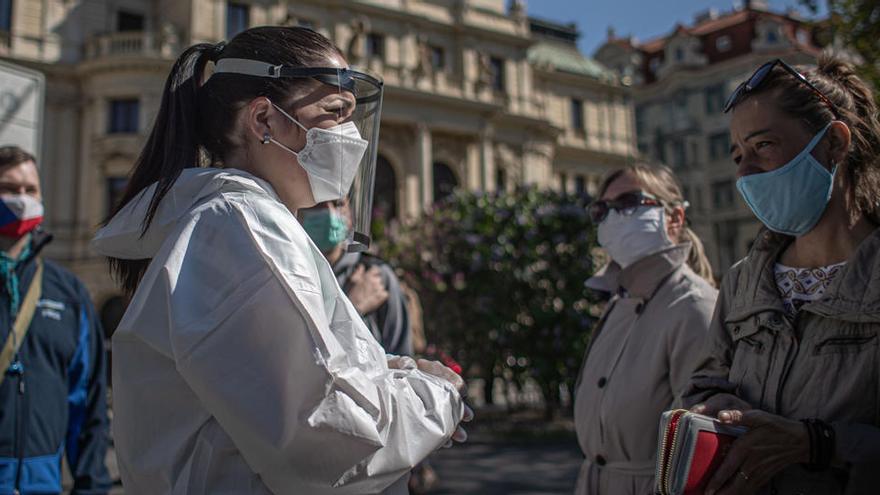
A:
[326,228]
[791,199]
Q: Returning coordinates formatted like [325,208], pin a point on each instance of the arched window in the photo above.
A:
[444,181]
[385,190]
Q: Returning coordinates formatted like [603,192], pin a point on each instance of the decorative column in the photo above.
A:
[426,164]
[487,159]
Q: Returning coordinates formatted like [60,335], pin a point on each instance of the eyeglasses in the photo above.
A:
[626,204]
[760,75]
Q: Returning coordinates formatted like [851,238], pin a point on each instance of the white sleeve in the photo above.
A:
[306,416]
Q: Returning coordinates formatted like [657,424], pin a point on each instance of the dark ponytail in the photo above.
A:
[196,120]
[859,109]
[172,146]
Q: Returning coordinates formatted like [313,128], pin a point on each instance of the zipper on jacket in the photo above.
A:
[772,354]
[19,426]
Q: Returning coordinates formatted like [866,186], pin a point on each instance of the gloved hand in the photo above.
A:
[439,370]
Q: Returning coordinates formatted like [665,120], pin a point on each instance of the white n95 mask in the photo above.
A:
[629,238]
[330,157]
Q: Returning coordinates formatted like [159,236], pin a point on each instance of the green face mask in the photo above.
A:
[326,228]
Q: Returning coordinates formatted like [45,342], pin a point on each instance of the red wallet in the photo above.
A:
[690,448]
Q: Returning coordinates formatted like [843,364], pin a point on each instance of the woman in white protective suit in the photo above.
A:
[240,367]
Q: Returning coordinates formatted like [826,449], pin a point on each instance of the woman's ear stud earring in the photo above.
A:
[266,138]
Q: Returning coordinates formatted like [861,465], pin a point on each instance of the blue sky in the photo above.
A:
[644,19]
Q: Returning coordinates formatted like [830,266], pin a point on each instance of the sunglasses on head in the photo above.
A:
[760,76]
[626,204]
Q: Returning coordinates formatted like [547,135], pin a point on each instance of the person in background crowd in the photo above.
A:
[645,344]
[368,281]
[793,351]
[240,366]
[53,388]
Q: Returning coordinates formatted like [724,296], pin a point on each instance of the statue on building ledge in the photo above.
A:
[356,50]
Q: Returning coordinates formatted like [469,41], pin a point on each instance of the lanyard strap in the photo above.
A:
[22,321]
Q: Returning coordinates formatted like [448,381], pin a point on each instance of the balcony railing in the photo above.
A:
[131,44]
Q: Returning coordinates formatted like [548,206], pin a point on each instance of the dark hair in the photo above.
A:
[856,107]
[13,155]
[660,181]
[195,123]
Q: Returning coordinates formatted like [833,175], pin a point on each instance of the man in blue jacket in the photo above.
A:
[53,389]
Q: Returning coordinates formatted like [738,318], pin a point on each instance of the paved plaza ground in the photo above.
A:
[507,454]
[492,467]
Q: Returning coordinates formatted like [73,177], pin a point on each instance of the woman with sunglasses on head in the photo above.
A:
[793,351]
[643,350]
[240,367]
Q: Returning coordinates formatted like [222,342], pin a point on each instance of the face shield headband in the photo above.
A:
[368,92]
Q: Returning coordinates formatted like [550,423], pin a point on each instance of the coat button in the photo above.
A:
[602,382]
[600,460]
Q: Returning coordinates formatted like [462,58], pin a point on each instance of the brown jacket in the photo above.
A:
[639,361]
[824,363]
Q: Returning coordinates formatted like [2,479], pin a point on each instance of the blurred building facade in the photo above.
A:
[478,96]
[681,82]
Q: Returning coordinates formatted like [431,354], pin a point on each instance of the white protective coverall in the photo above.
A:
[241,367]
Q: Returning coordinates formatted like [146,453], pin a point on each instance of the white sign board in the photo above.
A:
[22,92]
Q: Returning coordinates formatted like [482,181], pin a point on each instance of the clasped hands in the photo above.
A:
[771,444]
[437,369]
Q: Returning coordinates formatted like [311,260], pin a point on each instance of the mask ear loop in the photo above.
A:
[269,139]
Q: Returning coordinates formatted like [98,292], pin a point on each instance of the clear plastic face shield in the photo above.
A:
[330,156]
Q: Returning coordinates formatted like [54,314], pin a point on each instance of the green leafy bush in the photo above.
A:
[501,279]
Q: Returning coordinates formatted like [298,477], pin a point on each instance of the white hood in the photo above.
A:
[123,236]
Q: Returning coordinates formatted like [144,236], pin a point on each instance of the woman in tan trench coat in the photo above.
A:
[793,352]
[643,349]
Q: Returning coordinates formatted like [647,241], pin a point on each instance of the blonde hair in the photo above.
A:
[660,181]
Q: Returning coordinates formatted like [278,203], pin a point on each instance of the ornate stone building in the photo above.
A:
[478,95]
[680,83]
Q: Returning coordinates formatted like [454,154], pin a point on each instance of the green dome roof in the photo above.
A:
[565,58]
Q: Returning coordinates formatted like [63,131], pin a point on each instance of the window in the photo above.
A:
[580,185]
[384,190]
[679,54]
[500,179]
[6,15]
[803,36]
[681,99]
[496,67]
[723,43]
[722,193]
[640,121]
[238,18]
[115,189]
[563,183]
[654,64]
[679,155]
[124,116]
[444,181]
[127,21]
[375,46]
[660,146]
[577,114]
[438,58]
[772,35]
[715,98]
[719,146]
